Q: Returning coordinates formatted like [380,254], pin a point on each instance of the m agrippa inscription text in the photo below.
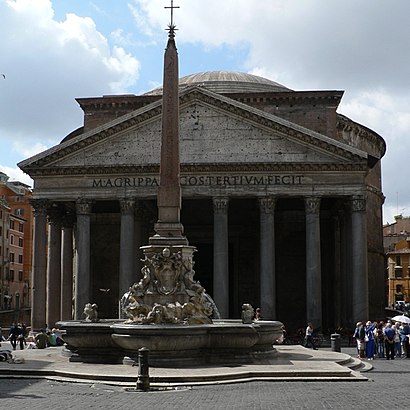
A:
[201,180]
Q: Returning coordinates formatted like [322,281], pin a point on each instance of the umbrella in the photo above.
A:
[401,318]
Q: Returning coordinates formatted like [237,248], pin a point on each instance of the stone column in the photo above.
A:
[127,249]
[267,258]
[313,262]
[67,268]
[54,267]
[38,280]
[360,302]
[337,285]
[221,256]
[138,240]
[82,277]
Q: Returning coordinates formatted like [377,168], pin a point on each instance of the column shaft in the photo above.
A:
[313,262]
[38,281]
[67,273]
[127,249]
[360,285]
[221,256]
[82,278]
[54,270]
[267,258]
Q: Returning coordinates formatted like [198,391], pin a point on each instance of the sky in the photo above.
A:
[53,51]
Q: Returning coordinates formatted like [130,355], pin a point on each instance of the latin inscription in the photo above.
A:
[202,180]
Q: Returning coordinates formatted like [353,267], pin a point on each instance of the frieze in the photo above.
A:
[199,168]
[201,180]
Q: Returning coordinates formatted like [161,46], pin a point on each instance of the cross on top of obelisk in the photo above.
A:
[171,26]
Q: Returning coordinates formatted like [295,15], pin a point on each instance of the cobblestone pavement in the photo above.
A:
[389,381]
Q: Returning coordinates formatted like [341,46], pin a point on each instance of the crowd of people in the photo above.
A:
[383,340]
[19,338]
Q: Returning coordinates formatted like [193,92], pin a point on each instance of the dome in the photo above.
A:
[225,82]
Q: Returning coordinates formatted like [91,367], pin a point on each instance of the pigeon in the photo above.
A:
[105,290]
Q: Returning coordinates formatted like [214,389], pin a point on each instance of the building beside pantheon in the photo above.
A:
[281,195]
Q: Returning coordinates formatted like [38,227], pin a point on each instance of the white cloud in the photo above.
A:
[16,174]
[29,150]
[48,64]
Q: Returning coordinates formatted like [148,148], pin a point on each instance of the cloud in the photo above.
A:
[48,63]
[358,47]
[16,174]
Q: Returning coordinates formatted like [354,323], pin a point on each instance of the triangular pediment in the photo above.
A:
[214,130]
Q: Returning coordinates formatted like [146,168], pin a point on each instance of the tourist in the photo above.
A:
[404,336]
[41,340]
[309,336]
[14,333]
[22,336]
[359,335]
[369,340]
[389,334]
[380,340]
[397,340]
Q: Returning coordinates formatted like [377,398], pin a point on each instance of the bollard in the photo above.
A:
[335,342]
[143,369]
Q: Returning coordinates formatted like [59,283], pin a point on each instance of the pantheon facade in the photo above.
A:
[281,196]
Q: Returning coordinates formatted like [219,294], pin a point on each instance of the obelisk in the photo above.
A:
[168,228]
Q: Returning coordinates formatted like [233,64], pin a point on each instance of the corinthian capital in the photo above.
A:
[312,204]
[40,206]
[358,204]
[83,206]
[267,205]
[220,204]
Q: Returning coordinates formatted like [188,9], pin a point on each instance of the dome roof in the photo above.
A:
[225,82]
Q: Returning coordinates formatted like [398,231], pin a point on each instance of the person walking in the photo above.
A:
[309,337]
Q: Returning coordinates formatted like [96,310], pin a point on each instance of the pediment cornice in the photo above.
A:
[268,121]
[203,169]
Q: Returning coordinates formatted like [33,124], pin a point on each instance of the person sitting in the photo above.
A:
[41,340]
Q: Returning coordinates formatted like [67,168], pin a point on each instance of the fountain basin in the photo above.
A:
[224,341]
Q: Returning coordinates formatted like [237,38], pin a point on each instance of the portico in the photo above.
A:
[279,212]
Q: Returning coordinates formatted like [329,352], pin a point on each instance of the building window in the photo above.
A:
[398,260]
[11,239]
[1,231]
[21,242]
[11,224]
[11,257]
[19,211]
[11,275]
[20,275]
[398,272]
[20,258]
[21,227]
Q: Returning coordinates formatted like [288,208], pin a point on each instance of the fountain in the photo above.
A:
[168,311]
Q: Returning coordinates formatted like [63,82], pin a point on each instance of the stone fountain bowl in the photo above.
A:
[224,341]
[90,342]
